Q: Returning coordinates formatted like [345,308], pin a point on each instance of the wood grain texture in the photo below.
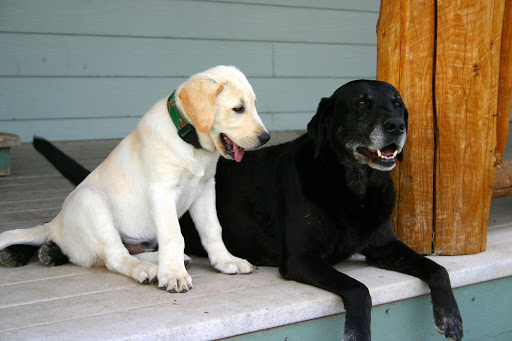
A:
[9,140]
[505,84]
[444,57]
[502,186]
[416,186]
[467,65]
[388,67]
[405,40]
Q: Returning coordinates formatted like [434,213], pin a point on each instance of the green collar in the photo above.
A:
[185,130]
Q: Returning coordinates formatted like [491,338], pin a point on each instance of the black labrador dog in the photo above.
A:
[312,202]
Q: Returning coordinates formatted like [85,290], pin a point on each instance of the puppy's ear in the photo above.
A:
[317,127]
[199,97]
[400,155]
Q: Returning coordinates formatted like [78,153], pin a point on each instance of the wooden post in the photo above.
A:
[505,84]
[503,180]
[405,35]
[443,57]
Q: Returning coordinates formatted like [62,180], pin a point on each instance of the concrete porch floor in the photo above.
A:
[69,302]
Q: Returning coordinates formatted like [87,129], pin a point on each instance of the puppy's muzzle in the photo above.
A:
[263,137]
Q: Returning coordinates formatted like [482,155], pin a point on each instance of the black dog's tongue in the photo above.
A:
[387,151]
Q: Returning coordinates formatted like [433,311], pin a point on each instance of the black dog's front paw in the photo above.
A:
[357,328]
[449,323]
[356,335]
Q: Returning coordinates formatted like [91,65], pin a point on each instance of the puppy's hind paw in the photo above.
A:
[234,266]
[188,261]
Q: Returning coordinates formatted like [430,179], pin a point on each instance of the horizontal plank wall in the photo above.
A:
[72,69]
[485,312]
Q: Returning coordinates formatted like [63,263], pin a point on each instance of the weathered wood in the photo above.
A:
[9,140]
[388,66]
[505,84]
[405,47]
[502,180]
[443,56]
[466,92]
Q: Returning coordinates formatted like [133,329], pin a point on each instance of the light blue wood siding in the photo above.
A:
[73,69]
[485,308]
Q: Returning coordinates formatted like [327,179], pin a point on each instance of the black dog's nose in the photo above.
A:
[395,126]
[264,137]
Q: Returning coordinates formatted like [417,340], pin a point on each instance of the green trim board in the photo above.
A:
[5,161]
[486,310]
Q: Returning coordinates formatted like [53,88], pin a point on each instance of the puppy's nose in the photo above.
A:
[264,137]
[395,126]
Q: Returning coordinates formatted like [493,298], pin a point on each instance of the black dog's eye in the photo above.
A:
[398,105]
[362,104]
[239,109]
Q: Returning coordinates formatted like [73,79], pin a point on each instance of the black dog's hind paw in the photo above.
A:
[50,254]
[449,326]
[16,255]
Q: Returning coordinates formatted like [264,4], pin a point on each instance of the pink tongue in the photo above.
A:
[387,152]
[239,152]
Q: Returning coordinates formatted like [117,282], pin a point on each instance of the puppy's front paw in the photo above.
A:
[234,265]
[145,272]
[449,323]
[174,280]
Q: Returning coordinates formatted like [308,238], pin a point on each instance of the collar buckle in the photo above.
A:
[186,131]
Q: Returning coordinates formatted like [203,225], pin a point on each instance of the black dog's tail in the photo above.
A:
[69,168]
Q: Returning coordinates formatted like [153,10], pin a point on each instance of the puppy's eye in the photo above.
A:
[398,105]
[239,109]
[362,104]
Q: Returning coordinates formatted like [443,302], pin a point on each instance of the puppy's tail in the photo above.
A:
[69,168]
[33,236]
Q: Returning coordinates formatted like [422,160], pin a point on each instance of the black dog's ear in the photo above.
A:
[400,155]
[317,126]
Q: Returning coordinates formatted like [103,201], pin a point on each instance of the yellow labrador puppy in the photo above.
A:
[163,168]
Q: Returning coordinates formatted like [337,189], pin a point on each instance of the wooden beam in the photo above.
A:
[405,40]
[505,84]
[388,66]
[466,92]
[444,58]
[502,180]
